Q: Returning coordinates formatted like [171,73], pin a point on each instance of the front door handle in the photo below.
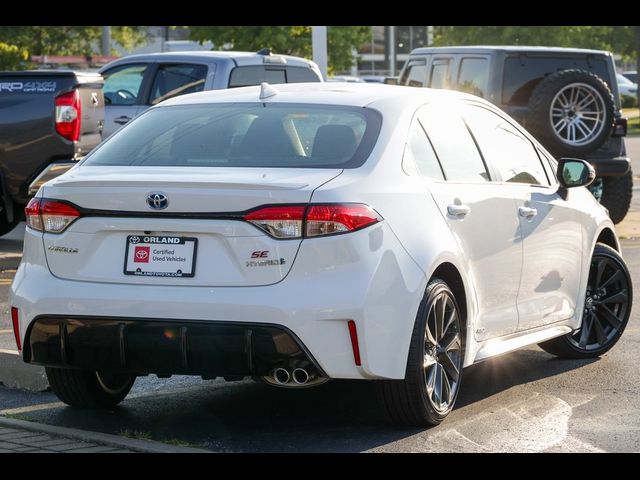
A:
[527,212]
[121,120]
[458,211]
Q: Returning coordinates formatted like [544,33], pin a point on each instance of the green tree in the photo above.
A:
[288,40]
[69,40]
[12,57]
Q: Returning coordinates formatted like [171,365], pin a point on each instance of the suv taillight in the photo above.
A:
[296,221]
[50,216]
[68,115]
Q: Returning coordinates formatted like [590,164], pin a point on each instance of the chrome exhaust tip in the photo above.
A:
[301,376]
[281,376]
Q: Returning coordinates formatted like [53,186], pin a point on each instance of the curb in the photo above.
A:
[145,446]
[14,373]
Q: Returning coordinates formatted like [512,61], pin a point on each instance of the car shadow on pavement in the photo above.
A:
[340,416]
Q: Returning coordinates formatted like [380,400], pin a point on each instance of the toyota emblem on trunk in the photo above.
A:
[157,201]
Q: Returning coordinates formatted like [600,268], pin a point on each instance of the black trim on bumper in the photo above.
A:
[163,347]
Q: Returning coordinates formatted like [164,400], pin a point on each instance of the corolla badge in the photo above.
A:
[157,201]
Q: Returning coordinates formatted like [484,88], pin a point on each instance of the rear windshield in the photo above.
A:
[244,135]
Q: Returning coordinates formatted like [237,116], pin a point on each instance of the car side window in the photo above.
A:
[301,75]
[473,76]
[505,148]
[172,80]
[255,75]
[440,73]
[415,75]
[453,144]
[419,158]
[122,84]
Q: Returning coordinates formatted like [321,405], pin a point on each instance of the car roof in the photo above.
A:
[240,58]
[507,49]
[329,93]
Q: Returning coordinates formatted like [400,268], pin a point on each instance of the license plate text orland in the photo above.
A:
[160,256]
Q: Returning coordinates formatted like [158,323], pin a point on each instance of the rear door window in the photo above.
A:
[301,75]
[419,157]
[172,80]
[473,76]
[452,142]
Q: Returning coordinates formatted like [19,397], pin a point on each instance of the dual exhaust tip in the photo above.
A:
[299,376]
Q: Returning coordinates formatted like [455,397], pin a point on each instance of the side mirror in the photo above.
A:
[391,80]
[573,172]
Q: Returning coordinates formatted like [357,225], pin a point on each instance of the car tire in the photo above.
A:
[87,389]
[562,120]
[5,225]
[601,326]
[616,195]
[434,367]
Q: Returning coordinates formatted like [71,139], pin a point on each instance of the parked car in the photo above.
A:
[136,82]
[373,78]
[302,233]
[626,87]
[49,119]
[631,75]
[567,97]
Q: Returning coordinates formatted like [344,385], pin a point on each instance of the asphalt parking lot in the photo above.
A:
[524,401]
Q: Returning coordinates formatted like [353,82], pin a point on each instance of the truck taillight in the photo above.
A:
[296,221]
[68,115]
[50,216]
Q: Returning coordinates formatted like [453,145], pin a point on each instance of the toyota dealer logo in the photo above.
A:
[141,254]
[134,240]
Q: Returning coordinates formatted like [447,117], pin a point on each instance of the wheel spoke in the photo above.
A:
[446,390]
[609,316]
[452,343]
[583,128]
[437,387]
[451,318]
[428,361]
[587,323]
[588,99]
[439,314]
[612,279]
[619,297]
[431,380]
[431,327]
[602,338]
[449,366]
[602,264]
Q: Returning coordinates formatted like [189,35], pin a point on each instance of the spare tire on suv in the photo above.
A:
[571,112]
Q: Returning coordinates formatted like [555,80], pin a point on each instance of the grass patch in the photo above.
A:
[180,443]
[17,416]
[137,434]
[630,112]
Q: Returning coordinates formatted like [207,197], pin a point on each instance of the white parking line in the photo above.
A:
[6,331]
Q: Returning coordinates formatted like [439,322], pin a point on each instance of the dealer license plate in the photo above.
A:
[160,256]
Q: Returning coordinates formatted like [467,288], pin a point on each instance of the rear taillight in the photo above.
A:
[68,115]
[15,319]
[51,216]
[295,221]
[279,222]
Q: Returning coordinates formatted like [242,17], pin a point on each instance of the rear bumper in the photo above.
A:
[365,276]
[164,347]
[610,167]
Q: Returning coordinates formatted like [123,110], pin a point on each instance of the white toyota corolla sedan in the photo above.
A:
[308,232]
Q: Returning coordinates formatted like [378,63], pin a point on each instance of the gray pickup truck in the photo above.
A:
[134,83]
[49,120]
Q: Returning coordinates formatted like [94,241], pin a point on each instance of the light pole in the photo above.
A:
[106,41]
[319,47]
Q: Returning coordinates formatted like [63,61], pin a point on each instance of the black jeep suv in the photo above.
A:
[568,98]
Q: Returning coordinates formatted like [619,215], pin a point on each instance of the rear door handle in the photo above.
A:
[458,211]
[527,212]
[121,120]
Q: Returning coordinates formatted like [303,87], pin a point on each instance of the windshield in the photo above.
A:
[244,135]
